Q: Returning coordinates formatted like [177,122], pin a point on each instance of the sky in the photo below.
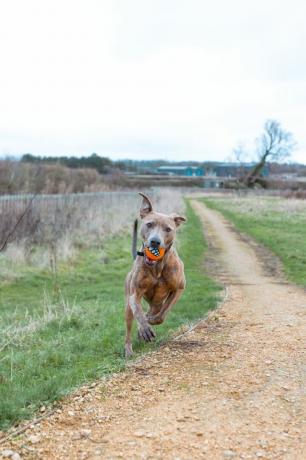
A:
[150,79]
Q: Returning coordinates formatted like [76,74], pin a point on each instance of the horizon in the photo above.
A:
[148,81]
[287,161]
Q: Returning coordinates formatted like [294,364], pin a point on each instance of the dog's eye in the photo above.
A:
[149,225]
[168,229]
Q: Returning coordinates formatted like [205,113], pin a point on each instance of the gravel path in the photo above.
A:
[234,387]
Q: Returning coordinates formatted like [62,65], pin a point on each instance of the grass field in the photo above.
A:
[62,329]
[277,223]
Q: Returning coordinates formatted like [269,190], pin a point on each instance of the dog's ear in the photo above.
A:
[146,205]
[178,219]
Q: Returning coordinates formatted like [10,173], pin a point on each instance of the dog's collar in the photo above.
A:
[141,253]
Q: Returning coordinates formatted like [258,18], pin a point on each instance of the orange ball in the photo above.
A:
[155,253]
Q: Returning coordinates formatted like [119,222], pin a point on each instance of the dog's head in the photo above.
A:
[157,230]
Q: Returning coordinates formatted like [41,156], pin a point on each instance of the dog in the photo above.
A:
[160,280]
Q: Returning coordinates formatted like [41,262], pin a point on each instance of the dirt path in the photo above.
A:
[232,388]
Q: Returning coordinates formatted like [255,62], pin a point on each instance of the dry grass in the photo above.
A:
[58,226]
[19,177]
[264,205]
[18,331]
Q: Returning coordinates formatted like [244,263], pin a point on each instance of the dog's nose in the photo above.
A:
[155,242]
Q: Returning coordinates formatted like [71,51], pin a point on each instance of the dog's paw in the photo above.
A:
[146,333]
[128,350]
[156,319]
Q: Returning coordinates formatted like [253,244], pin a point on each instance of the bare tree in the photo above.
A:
[240,156]
[239,153]
[275,144]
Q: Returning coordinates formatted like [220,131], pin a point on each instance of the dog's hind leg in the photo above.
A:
[128,338]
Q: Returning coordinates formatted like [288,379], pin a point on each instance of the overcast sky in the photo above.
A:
[172,79]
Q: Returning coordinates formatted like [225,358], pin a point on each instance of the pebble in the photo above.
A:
[229,453]
[263,443]
[33,439]
[150,435]
[139,433]
[7,453]
[15,456]
[85,433]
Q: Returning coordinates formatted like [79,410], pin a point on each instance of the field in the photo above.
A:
[62,328]
[232,386]
[277,223]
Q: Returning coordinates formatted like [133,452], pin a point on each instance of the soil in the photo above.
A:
[231,388]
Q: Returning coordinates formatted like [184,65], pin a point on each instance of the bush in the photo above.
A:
[17,177]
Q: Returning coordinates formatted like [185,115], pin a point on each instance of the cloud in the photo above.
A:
[150,79]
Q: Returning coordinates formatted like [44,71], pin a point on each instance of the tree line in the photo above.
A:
[104,165]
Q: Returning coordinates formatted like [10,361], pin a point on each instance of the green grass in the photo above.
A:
[59,333]
[277,223]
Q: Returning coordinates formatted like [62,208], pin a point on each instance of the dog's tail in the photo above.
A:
[134,244]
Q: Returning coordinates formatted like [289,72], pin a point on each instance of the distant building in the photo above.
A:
[190,171]
[236,169]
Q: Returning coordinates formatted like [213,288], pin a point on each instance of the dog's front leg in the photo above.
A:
[171,300]
[144,330]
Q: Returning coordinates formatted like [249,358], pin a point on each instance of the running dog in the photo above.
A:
[157,274]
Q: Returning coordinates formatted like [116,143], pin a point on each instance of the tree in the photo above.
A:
[240,156]
[275,144]
[239,153]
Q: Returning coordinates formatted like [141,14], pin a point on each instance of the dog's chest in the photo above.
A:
[168,278]
[160,287]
